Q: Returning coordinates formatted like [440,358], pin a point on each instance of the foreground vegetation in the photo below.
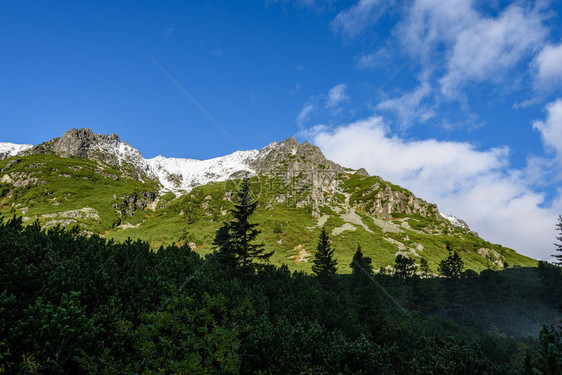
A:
[76,304]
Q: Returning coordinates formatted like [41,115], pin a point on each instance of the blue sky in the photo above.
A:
[459,101]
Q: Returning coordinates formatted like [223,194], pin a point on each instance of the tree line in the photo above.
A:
[75,304]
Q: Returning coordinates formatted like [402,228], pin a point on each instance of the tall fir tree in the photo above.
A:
[234,241]
[361,265]
[325,266]
[558,245]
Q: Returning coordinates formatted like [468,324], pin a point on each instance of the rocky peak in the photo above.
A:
[76,143]
[289,155]
[108,149]
[290,142]
[362,172]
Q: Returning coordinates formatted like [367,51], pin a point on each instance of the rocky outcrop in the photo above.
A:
[19,179]
[362,172]
[289,155]
[388,201]
[107,149]
[10,164]
[380,198]
[81,143]
[82,213]
[301,172]
[128,204]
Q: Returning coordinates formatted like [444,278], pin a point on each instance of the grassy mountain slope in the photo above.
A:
[65,191]
[293,232]
[383,218]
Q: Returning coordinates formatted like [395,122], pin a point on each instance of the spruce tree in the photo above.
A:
[559,244]
[404,266]
[360,265]
[324,263]
[452,266]
[234,241]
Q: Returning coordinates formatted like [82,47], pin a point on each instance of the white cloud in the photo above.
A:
[460,45]
[408,106]
[430,23]
[336,95]
[551,128]
[548,64]
[475,185]
[453,44]
[352,21]
[305,113]
[373,59]
[486,49]
[367,61]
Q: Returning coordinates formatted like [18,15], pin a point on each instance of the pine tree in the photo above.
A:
[404,266]
[234,241]
[360,265]
[363,289]
[452,266]
[559,244]
[424,266]
[324,263]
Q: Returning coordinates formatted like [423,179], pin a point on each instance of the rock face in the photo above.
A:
[82,143]
[108,149]
[387,202]
[382,199]
[292,156]
[300,172]
[128,204]
[362,172]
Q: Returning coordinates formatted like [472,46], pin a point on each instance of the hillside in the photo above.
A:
[106,187]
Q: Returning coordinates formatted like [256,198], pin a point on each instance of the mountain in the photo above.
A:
[105,186]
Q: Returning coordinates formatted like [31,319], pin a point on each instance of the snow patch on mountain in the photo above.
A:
[124,153]
[7,150]
[454,220]
[181,175]
[177,174]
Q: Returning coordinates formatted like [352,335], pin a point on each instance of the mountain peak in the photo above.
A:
[77,143]
[291,142]
[106,148]
[289,156]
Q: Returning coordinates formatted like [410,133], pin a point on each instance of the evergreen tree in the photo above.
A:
[452,266]
[424,266]
[404,266]
[559,244]
[360,265]
[234,241]
[325,266]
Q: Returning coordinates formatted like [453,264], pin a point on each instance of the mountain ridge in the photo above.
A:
[172,173]
[105,186]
